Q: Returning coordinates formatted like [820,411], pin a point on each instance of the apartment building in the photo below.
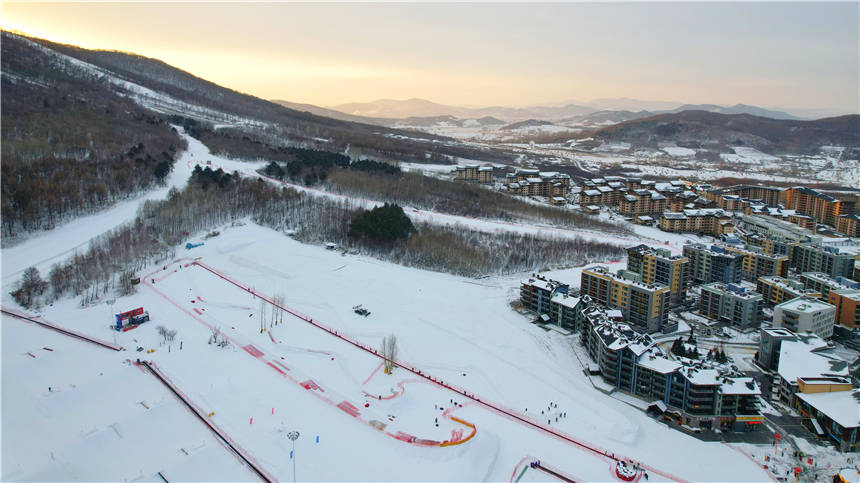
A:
[704,393]
[712,264]
[644,306]
[475,173]
[550,299]
[847,303]
[805,314]
[532,182]
[709,221]
[810,257]
[658,266]
[732,304]
[824,284]
[848,225]
[818,204]
[776,290]
[757,264]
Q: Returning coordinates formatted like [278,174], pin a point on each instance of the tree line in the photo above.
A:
[149,240]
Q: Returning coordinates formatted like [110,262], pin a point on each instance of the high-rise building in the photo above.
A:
[658,266]
[644,306]
[713,264]
[731,303]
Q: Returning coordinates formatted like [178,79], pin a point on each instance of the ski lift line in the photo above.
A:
[68,332]
[510,413]
[232,445]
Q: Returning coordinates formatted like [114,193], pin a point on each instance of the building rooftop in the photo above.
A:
[840,406]
[808,356]
[805,305]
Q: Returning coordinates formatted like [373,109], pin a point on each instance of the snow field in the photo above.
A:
[102,419]
[445,325]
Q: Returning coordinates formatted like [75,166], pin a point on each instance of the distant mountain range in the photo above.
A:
[402,109]
[423,113]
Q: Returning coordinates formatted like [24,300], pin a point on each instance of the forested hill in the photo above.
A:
[174,91]
[709,129]
[83,128]
[70,145]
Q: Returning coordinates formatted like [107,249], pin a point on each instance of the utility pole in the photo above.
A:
[293,436]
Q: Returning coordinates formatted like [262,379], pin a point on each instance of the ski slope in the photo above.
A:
[295,376]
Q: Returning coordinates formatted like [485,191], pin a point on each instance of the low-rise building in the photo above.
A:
[832,414]
[732,304]
[807,356]
[805,314]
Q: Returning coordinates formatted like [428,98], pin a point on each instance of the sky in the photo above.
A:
[790,55]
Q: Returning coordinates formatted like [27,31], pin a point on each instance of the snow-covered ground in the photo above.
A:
[460,330]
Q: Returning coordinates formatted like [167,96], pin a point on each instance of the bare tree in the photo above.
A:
[262,315]
[389,352]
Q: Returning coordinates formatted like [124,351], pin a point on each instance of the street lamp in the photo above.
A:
[293,436]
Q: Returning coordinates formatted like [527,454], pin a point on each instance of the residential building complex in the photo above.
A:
[709,221]
[705,393]
[818,204]
[474,172]
[757,264]
[824,284]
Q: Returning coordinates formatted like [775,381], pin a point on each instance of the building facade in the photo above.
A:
[644,306]
[805,314]
[659,267]
[732,304]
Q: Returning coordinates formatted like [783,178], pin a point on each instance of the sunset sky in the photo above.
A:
[789,55]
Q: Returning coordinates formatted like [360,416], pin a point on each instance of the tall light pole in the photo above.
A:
[293,435]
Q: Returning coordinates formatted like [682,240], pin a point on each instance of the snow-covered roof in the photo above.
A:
[534,180]
[659,364]
[485,168]
[593,207]
[740,385]
[804,358]
[559,198]
[840,406]
[591,193]
[605,189]
[630,198]
[805,305]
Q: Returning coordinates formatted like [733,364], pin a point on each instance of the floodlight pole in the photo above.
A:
[293,436]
